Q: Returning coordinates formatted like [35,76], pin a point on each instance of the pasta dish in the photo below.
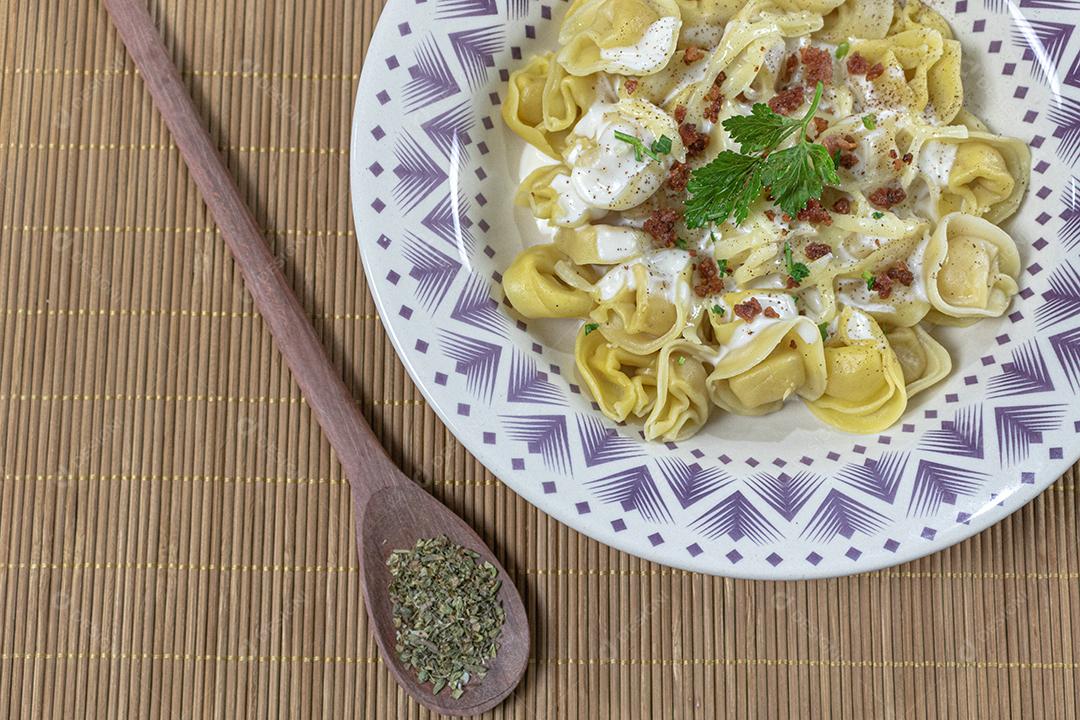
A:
[747,202]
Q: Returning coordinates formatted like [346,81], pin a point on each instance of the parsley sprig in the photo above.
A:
[729,184]
[660,146]
[796,270]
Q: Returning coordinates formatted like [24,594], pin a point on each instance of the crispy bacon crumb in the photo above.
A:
[711,282]
[892,153]
[678,176]
[820,124]
[661,226]
[631,85]
[748,310]
[842,143]
[814,213]
[876,70]
[883,285]
[714,98]
[769,312]
[908,157]
[694,140]
[884,282]
[857,64]
[792,344]
[848,161]
[886,197]
[791,283]
[787,70]
[842,206]
[817,250]
[787,101]
[771,215]
[680,113]
[817,65]
[692,54]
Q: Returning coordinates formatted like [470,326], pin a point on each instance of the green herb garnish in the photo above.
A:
[732,181]
[661,146]
[877,215]
[797,270]
[842,49]
[681,360]
[721,266]
[823,328]
[718,309]
[868,277]
[447,614]
[589,327]
[869,122]
[681,243]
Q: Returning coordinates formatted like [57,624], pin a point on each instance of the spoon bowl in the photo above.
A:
[394,518]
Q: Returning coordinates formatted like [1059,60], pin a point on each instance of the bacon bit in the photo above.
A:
[748,310]
[791,283]
[787,101]
[678,176]
[694,141]
[711,283]
[886,197]
[692,54]
[875,71]
[842,206]
[883,285]
[817,65]
[892,154]
[792,344]
[814,213]
[771,215]
[715,98]
[680,113]
[692,253]
[848,161]
[857,64]
[769,312]
[785,217]
[741,97]
[820,124]
[787,71]
[901,273]
[908,157]
[631,85]
[843,143]
[817,250]
[661,226]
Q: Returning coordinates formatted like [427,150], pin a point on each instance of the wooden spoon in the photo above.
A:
[391,511]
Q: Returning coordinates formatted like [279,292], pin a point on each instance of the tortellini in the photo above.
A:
[866,391]
[635,37]
[831,305]
[972,266]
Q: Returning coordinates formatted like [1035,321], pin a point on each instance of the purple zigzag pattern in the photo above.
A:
[1065,114]
[996,6]
[601,444]
[736,517]
[877,478]
[1070,230]
[475,50]
[1050,4]
[1019,427]
[477,360]
[467,8]
[1072,77]
[527,384]
[430,78]
[545,435]
[517,8]
[449,131]
[963,435]
[691,482]
[475,307]
[635,489]
[432,271]
[1027,373]
[1067,349]
[1043,43]
[1063,297]
[448,221]
[786,494]
[417,174]
[841,515]
[938,483]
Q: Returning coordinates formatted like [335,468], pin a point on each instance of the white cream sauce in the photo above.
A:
[606,173]
[936,161]
[650,53]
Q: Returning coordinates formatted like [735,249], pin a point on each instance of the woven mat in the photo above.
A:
[175,537]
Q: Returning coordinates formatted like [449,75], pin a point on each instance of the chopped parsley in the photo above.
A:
[842,49]
[681,360]
[869,122]
[681,243]
[877,215]
[662,146]
[729,184]
[796,270]
[589,327]
[868,277]
[718,309]
[823,328]
[721,266]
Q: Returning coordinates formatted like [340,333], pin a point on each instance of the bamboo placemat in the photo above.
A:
[175,536]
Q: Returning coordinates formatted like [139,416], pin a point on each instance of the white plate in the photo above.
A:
[778,497]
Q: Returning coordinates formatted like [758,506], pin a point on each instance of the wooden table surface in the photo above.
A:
[175,536]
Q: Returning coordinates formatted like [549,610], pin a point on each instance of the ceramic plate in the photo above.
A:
[433,172]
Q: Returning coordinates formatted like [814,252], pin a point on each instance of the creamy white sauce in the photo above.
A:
[606,173]
[936,161]
[573,208]
[648,54]
[664,273]
[859,327]
[614,243]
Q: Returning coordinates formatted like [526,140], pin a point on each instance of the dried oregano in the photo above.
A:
[446,612]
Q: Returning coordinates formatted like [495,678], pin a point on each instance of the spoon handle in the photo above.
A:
[363,459]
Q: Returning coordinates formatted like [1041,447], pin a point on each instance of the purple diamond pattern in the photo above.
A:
[475,50]
[938,483]
[635,489]
[877,478]
[1026,374]
[601,444]
[963,435]
[477,360]
[417,174]
[1020,426]
[842,515]
[545,435]
[786,494]
[737,518]
[529,385]
[691,482]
